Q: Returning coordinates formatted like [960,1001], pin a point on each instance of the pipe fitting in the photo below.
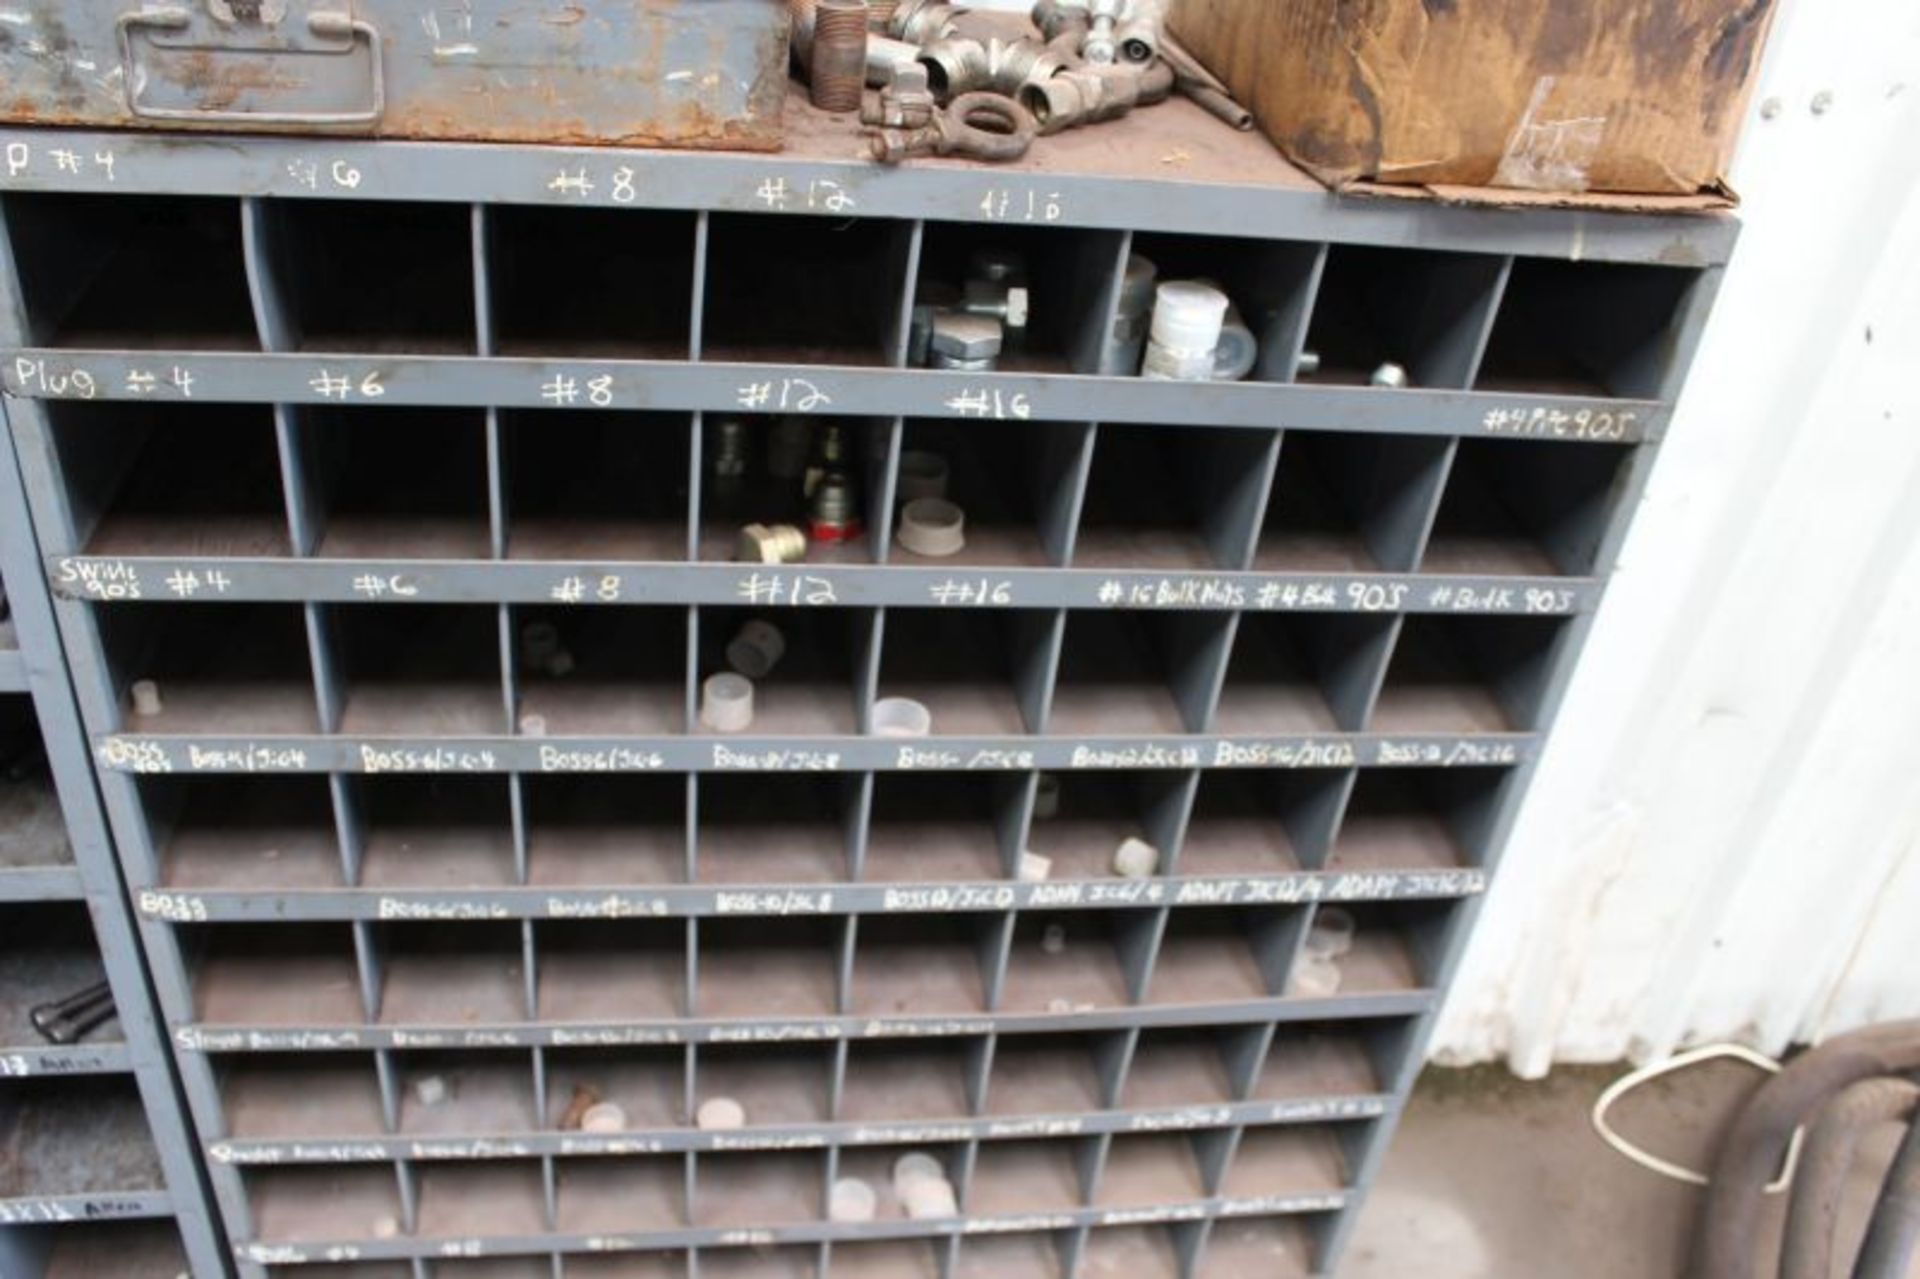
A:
[922,21]
[954,65]
[800,20]
[1085,95]
[1138,39]
[837,65]
[1056,18]
[885,56]
[1101,47]
[961,336]
[771,544]
[961,65]
[904,102]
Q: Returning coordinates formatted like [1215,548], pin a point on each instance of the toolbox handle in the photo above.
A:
[334,25]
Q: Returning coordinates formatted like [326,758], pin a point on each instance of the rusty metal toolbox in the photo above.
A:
[682,73]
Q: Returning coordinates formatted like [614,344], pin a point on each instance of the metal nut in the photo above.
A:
[965,336]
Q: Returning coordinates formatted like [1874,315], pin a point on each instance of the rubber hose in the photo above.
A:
[1893,1237]
[1726,1240]
[1825,1161]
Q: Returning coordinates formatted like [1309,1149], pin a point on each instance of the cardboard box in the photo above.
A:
[1563,96]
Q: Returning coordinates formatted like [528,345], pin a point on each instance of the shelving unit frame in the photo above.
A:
[98,1152]
[1289,583]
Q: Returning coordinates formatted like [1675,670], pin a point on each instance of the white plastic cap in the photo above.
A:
[913,1167]
[1187,316]
[900,717]
[756,649]
[605,1116]
[532,725]
[851,1199]
[1135,858]
[726,702]
[933,526]
[922,474]
[721,1113]
[931,1200]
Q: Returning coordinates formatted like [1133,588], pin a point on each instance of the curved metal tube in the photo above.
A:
[961,64]
[1893,1238]
[1813,1217]
[1726,1241]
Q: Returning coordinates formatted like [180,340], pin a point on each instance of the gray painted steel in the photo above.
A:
[1554,344]
[93,880]
[665,73]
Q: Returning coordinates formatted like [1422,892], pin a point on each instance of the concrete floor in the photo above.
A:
[1492,1177]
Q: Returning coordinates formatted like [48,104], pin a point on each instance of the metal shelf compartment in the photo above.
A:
[97,1169]
[1302,636]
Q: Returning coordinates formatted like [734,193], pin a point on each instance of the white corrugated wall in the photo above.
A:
[1723,839]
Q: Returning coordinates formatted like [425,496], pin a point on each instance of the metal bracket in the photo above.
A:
[326,25]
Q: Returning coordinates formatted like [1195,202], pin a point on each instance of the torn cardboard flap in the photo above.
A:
[1568,98]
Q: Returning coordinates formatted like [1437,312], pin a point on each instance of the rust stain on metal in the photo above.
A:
[618,105]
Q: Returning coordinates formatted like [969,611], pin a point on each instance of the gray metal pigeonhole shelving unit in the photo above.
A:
[99,1172]
[314,430]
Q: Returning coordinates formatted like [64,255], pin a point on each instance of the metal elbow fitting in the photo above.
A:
[922,21]
[960,65]
[954,66]
[1014,64]
[1084,96]
[1058,17]
[885,56]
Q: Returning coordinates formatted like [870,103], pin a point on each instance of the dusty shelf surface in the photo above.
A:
[33,831]
[123,1249]
[75,1136]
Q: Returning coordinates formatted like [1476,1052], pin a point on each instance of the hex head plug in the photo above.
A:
[964,341]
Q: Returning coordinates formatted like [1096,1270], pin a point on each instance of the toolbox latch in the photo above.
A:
[253,62]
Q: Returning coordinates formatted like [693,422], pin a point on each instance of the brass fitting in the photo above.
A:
[771,544]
